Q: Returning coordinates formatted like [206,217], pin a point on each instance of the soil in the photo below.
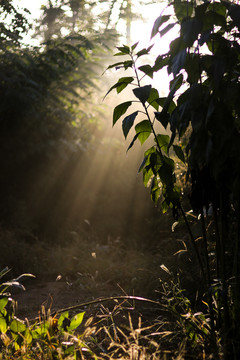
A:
[53,295]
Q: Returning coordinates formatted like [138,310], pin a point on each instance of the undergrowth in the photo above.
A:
[118,327]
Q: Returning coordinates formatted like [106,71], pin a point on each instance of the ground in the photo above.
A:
[53,295]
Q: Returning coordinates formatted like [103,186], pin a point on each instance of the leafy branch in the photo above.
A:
[157,167]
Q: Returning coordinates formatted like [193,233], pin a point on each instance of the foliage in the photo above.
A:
[13,25]
[68,336]
[202,109]
[47,336]
[46,112]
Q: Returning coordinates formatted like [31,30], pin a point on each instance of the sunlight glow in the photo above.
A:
[86,183]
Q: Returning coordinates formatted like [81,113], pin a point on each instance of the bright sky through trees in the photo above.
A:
[140,29]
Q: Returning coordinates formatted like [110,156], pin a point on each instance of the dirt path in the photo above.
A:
[52,295]
[57,295]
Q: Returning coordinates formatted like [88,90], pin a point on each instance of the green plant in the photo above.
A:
[47,337]
[202,108]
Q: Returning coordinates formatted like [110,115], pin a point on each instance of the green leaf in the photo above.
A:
[153,98]
[175,84]
[62,317]
[147,155]
[127,64]
[147,69]
[142,93]
[143,163]
[220,8]
[28,336]
[128,123]
[200,10]
[3,303]
[135,45]
[178,61]
[132,142]
[158,23]
[3,325]
[76,321]
[182,9]
[166,173]
[166,29]
[163,141]
[155,190]
[160,62]
[117,65]
[121,84]
[144,51]
[124,50]
[17,326]
[164,206]
[211,19]
[143,130]
[179,152]
[120,110]
[192,68]
[147,175]
[190,30]
[163,118]
[121,64]
[176,46]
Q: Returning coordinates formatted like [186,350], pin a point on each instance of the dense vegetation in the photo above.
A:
[191,164]
[202,113]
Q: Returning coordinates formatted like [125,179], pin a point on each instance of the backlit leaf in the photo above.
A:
[166,29]
[128,123]
[166,174]
[155,190]
[144,51]
[17,326]
[143,130]
[120,110]
[121,84]
[190,30]
[76,321]
[135,45]
[163,141]
[147,175]
[143,163]
[3,303]
[153,98]
[122,64]
[178,61]
[147,69]
[124,50]
[62,317]
[160,62]
[163,118]
[164,207]
[142,93]
[182,9]
[132,142]
[157,24]
[3,325]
